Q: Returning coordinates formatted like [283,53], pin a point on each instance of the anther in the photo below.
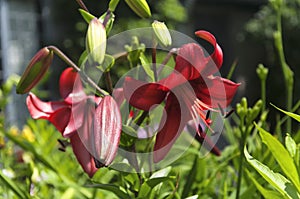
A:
[229,113]
[207,115]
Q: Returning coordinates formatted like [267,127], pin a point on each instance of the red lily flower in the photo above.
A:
[62,115]
[191,86]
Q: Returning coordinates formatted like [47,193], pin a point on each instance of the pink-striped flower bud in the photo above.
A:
[35,70]
[107,131]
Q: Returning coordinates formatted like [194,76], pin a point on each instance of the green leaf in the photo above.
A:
[292,115]
[107,63]
[281,155]
[146,66]
[191,177]
[11,184]
[86,15]
[283,185]
[117,190]
[28,147]
[147,186]
[291,145]
[83,58]
[267,194]
[161,173]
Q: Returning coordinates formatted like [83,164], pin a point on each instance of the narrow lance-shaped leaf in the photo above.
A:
[292,115]
[281,155]
[107,130]
[88,17]
[267,194]
[283,185]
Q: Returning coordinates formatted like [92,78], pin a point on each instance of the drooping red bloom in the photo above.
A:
[190,90]
[75,118]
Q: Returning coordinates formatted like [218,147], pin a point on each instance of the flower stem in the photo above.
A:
[241,157]
[167,58]
[154,45]
[75,67]
[263,95]
[108,82]
[82,5]
[287,72]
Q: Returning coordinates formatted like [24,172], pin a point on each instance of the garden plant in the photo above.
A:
[142,113]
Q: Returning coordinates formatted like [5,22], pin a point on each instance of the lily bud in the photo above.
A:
[162,33]
[96,41]
[140,7]
[107,131]
[35,70]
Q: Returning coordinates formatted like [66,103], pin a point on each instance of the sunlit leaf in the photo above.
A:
[281,155]
[86,15]
[146,66]
[150,184]
[292,115]
[283,185]
[267,194]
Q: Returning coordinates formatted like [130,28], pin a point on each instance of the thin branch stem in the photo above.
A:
[108,81]
[82,5]
[154,45]
[75,67]
[167,58]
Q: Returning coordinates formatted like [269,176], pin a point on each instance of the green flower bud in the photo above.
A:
[96,41]
[35,70]
[240,110]
[162,33]
[244,103]
[140,7]
[262,72]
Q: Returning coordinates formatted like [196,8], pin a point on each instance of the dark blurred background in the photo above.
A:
[243,29]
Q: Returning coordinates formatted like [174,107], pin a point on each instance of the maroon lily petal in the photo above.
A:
[84,158]
[70,86]
[107,130]
[216,58]
[76,119]
[171,129]
[60,119]
[190,61]
[215,91]
[42,110]
[204,139]
[143,95]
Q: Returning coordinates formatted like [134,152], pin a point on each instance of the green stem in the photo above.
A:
[82,5]
[108,82]
[287,72]
[75,67]
[263,95]
[154,45]
[241,158]
[167,58]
